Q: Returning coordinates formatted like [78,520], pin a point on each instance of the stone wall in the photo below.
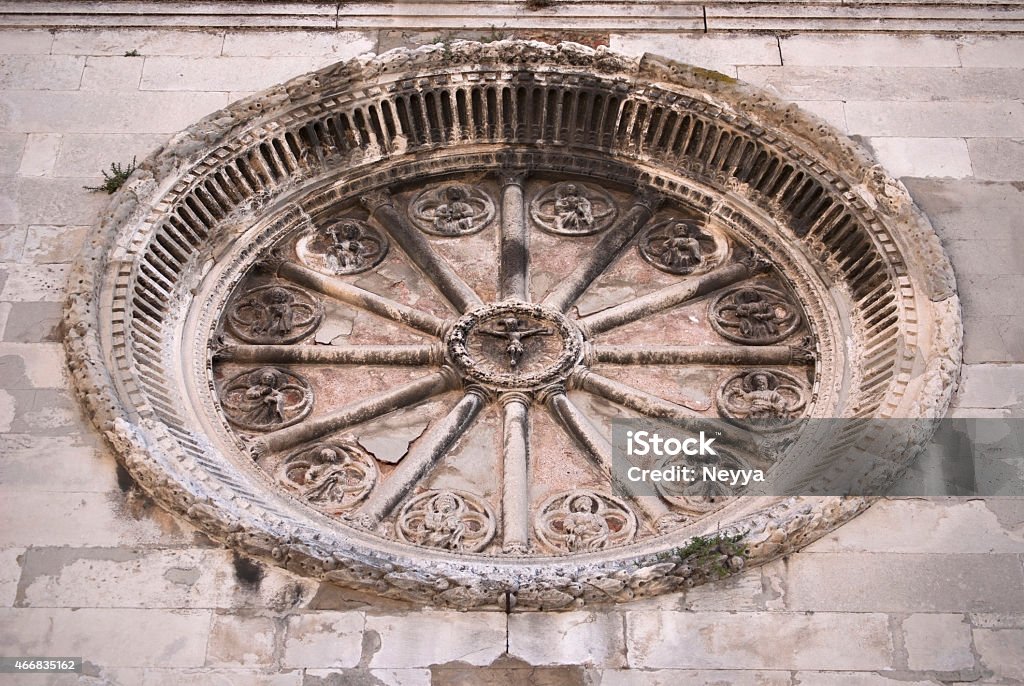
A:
[914,591]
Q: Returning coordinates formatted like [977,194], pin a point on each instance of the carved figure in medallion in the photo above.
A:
[450,520]
[582,521]
[266,399]
[341,247]
[332,476]
[274,314]
[754,314]
[680,246]
[702,496]
[453,209]
[774,398]
[512,331]
[573,209]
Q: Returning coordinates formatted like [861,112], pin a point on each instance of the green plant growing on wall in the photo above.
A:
[115,178]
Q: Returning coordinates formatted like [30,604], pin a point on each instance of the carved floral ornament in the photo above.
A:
[429,302]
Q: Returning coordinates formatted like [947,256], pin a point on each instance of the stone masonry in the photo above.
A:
[917,591]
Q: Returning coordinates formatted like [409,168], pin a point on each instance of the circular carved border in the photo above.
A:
[708,138]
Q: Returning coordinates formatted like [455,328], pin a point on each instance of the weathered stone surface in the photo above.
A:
[472,638]
[997,159]
[225,73]
[923,157]
[866,50]
[112,638]
[673,677]
[830,110]
[91,112]
[10,571]
[12,242]
[85,155]
[857,679]
[32,366]
[371,677]
[1000,651]
[112,73]
[71,466]
[970,210]
[991,51]
[884,84]
[11,147]
[35,283]
[28,200]
[991,386]
[146,42]
[339,45]
[718,52]
[936,119]
[44,412]
[221,677]
[323,639]
[884,582]
[938,642]
[45,243]
[580,638]
[25,41]
[40,154]
[41,72]
[717,640]
[941,525]
[241,641]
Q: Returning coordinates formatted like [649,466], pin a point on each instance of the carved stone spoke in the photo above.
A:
[744,355]
[370,355]
[633,398]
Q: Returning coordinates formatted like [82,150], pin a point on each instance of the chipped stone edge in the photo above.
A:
[779,529]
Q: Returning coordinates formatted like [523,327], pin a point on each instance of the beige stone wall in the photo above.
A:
[914,591]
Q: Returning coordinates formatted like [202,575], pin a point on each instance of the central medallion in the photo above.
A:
[514,346]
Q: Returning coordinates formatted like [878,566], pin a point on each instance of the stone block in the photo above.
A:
[718,52]
[12,145]
[935,119]
[35,283]
[567,638]
[991,386]
[1001,651]
[40,154]
[82,519]
[112,73]
[69,465]
[10,572]
[225,73]
[35,200]
[887,83]
[991,51]
[46,243]
[111,638]
[145,41]
[857,679]
[341,45]
[970,209]
[923,157]
[473,638]
[739,592]
[323,639]
[8,407]
[25,41]
[45,413]
[219,677]
[938,642]
[830,110]
[758,640]
[12,242]
[883,582]
[39,365]
[995,256]
[241,641]
[41,72]
[868,50]
[85,155]
[997,159]
[377,677]
[91,112]
[939,525]
[693,677]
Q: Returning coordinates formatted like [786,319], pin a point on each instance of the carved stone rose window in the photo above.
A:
[374,324]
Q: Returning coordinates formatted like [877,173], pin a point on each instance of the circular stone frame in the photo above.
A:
[181,215]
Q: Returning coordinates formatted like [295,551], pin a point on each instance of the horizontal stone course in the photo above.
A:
[225,73]
[936,119]
[923,157]
[758,640]
[567,638]
[997,159]
[118,41]
[709,51]
[991,51]
[340,45]
[41,72]
[859,50]
[90,154]
[109,73]
[428,638]
[323,639]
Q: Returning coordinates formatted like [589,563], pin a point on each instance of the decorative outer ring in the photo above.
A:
[187,488]
[458,351]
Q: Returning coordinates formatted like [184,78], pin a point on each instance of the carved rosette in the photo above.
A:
[452,209]
[755,315]
[274,314]
[448,519]
[333,476]
[339,247]
[770,399]
[573,209]
[266,399]
[582,521]
[682,246]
